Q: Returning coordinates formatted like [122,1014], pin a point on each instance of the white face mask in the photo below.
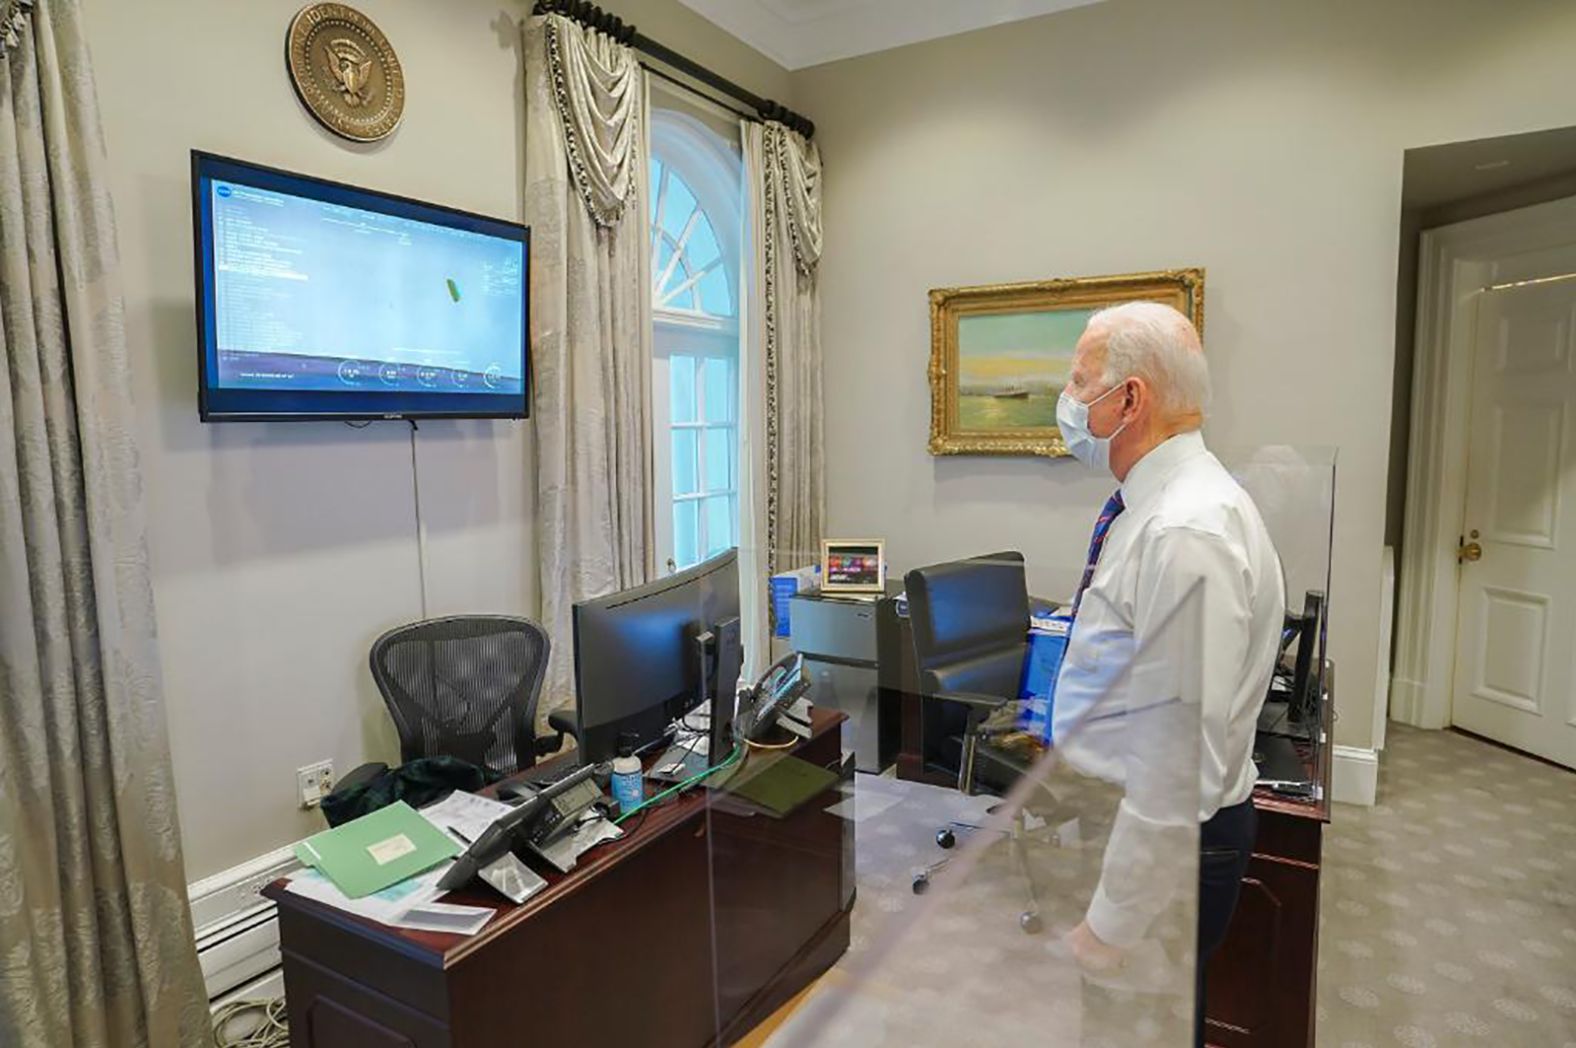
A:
[1072,417]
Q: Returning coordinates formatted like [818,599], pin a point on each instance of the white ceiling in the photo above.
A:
[799,33]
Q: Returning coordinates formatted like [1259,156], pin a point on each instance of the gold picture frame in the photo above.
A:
[993,391]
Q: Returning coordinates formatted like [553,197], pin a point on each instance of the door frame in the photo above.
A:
[1455,263]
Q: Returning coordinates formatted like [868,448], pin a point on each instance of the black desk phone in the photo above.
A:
[562,811]
[537,821]
[779,687]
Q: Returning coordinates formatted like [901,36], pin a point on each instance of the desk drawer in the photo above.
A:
[316,936]
[328,1010]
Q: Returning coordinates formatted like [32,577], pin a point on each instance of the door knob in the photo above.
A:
[1468,551]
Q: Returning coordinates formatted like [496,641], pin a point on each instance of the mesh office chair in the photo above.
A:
[466,686]
[970,621]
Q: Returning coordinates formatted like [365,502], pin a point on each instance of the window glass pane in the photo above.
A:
[715,298]
[664,256]
[686,534]
[702,247]
[718,376]
[682,371]
[719,523]
[656,186]
[666,297]
[684,478]
[715,449]
[678,205]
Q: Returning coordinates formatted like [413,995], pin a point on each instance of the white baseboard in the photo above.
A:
[237,932]
[1354,776]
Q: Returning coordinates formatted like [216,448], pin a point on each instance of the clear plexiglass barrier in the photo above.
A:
[975,827]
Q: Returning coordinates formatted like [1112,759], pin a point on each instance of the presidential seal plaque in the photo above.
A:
[345,72]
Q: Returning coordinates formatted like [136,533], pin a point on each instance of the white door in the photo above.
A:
[1515,673]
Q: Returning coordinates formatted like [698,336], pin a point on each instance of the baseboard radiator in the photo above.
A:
[238,930]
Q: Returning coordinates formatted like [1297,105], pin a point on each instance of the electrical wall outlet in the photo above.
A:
[314,782]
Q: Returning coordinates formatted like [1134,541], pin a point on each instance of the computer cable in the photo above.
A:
[421,527]
[695,739]
[773,745]
[269,1030]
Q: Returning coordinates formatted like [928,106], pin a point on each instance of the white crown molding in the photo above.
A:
[800,33]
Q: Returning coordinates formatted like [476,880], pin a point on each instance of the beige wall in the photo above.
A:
[281,550]
[1262,141]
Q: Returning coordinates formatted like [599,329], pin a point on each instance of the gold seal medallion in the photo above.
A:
[345,72]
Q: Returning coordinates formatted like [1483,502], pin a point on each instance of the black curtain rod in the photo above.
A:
[592,16]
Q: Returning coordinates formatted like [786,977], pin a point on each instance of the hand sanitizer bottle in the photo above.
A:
[628,783]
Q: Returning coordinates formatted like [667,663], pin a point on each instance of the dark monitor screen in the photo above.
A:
[320,300]
[637,662]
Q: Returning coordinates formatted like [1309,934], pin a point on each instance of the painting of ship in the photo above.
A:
[1012,393]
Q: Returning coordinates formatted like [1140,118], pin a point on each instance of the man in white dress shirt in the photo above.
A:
[1177,625]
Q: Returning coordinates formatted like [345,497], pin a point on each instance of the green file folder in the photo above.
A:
[379,849]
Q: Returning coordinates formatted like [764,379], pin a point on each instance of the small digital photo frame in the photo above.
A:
[853,566]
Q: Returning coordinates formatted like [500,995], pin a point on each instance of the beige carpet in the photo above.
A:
[1448,918]
[953,967]
[1449,909]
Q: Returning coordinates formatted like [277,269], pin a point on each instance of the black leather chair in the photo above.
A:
[466,686]
[970,621]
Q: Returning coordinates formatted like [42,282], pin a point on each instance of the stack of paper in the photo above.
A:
[408,904]
[465,816]
[386,866]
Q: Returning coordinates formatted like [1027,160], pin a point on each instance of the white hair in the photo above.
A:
[1158,344]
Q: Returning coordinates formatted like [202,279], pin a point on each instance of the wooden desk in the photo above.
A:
[617,952]
[1261,985]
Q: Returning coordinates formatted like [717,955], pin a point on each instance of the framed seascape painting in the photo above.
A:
[1000,354]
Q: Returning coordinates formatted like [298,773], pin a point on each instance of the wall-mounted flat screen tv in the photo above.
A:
[322,301]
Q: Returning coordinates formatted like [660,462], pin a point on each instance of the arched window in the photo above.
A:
[696,219]
[689,278]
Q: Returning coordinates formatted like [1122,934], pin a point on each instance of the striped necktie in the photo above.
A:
[1113,509]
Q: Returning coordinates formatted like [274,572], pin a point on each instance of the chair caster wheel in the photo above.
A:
[921,883]
[945,838]
[1030,923]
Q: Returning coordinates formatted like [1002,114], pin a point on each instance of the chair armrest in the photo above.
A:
[1041,607]
[361,775]
[563,722]
[978,702]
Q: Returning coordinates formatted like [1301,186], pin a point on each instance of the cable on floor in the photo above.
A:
[267,1025]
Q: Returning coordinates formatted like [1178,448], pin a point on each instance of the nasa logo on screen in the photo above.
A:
[345,71]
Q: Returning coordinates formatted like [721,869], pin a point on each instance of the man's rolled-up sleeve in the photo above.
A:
[1191,630]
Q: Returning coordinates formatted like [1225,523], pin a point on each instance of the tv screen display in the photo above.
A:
[318,300]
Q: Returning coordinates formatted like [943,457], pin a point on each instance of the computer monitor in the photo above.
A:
[1308,667]
[638,663]
[726,655]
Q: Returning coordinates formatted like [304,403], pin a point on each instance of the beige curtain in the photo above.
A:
[96,940]
[586,202]
[783,170]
